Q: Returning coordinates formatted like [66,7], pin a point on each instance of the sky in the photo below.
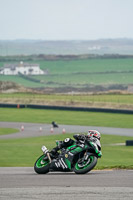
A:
[66,19]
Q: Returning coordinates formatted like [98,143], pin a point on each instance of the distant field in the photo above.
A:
[122,101]
[80,73]
[111,98]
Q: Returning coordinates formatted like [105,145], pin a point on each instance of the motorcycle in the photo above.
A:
[79,158]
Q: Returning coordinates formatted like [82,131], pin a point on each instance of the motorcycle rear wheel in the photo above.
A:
[41,166]
[86,166]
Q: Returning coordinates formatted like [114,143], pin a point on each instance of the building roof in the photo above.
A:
[21,64]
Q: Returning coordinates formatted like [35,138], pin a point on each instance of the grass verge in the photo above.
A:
[119,101]
[25,151]
[5,131]
[66,117]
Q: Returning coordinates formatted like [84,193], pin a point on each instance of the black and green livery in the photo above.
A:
[80,158]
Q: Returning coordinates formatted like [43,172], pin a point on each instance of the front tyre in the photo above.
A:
[41,166]
[84,166]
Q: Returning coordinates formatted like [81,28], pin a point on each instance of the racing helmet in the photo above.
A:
[94,133]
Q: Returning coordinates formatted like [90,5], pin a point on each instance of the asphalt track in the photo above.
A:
[22,183]
[35,130]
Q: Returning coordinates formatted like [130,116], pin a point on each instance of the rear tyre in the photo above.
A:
[85,166]
[41,166]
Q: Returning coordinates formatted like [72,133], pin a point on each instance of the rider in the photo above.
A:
[93,136]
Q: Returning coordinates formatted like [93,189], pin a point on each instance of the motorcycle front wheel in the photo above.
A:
[41,166]
[84,166]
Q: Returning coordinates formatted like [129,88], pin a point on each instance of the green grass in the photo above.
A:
[24,152]
[80,73]
[77,81]
[66,117]
[80,80]
[87,65]
[83,65]
[5,131]
[101,98]
[21,81]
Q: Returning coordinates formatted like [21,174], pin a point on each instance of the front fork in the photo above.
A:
[85,156]
[46,152]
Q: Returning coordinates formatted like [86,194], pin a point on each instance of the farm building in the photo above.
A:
[22,68]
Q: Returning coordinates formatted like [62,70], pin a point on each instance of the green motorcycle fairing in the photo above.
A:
[71,152]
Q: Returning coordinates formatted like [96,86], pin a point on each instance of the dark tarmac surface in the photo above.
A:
[23,183]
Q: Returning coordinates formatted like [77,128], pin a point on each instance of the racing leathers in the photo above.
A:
[80,140]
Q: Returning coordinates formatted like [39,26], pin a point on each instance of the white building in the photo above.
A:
[22,68]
